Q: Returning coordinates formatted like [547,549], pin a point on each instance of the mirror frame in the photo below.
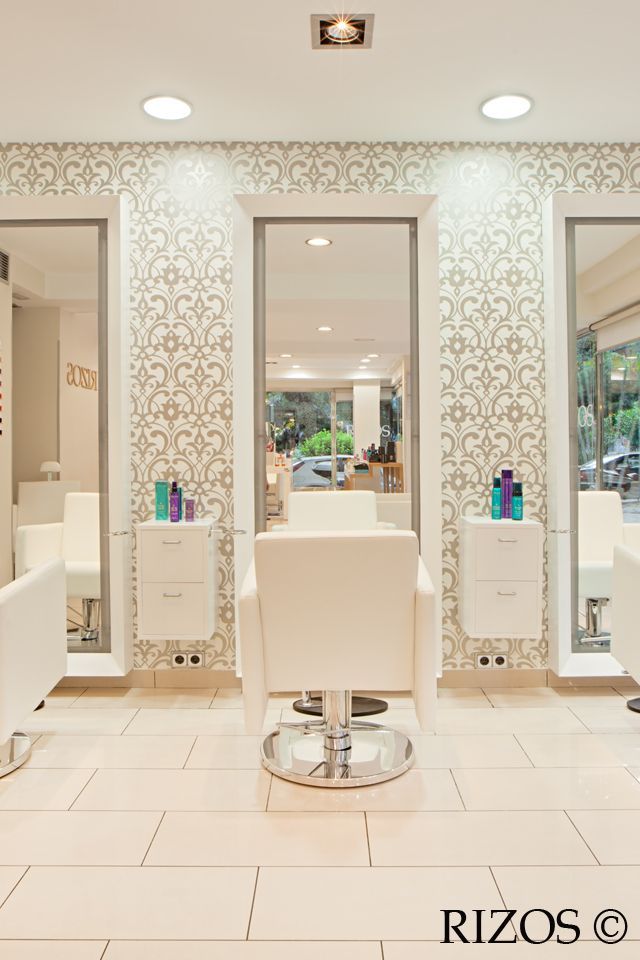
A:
[424,208]
[561,213]
[112,212]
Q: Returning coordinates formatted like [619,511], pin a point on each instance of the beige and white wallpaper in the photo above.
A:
[492,362]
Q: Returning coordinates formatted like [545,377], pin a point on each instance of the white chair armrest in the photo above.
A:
[36,543]
[386,525]
[254,690]
[631,534]
[625,634]
[425,691]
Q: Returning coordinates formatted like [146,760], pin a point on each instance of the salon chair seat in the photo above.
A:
[77,541]
[335,510]
[625,633]
[379,633]
[33,652]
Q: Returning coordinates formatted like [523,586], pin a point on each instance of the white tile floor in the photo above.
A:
[143,826]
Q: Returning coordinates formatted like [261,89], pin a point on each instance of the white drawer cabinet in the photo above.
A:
[500,578]
[176,580]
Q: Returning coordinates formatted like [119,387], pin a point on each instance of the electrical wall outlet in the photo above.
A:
[500,661]
[484,661]
[179,660]
[195,659]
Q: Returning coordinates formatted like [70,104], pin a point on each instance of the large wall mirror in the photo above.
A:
[62,453]
[593,399]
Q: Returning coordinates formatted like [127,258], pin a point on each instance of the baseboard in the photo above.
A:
[176,679]
[476,677]
[620,683]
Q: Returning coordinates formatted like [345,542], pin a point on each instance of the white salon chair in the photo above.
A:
[335,510]
[77,541]
[330,630]
[33,652]
[625,633]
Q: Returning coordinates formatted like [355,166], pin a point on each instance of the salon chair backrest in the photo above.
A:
[33,642]
[338,608]
[600,525]
[42,501]
[81,527]
[333,510]
[625,635]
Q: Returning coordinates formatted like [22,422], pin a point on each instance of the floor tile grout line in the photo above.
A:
[457,786]
[155,833]
[128,724]
[381,950]
[253,900]
[504,902]
[578,831]
[76,798]
[3,900]
[189,752]
[515,737]
[366,830]
[106,947]
[266,808]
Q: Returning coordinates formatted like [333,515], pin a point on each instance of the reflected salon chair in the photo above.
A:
[77,541]
[625,633]
[344,610]
[33,652]
[335,510]
[600,530]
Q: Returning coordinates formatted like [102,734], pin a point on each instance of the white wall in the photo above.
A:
[79,399]
[35,391]
[6,568]
[366,414]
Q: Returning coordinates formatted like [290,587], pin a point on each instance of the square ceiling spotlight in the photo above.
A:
[338,31]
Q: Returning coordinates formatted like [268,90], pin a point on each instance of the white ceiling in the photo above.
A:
[359,286]
[78,70]
[594,242]
[53,249]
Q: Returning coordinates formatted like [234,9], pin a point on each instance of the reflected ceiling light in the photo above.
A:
[373,356]
[295,366]
[507,106]
[285,356]
[362,368]
[324,329]
[167,108]
[365,360]
[318,242]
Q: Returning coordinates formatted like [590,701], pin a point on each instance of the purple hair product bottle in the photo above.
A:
[507,494]
[174,503]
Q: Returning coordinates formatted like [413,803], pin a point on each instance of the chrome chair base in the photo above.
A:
[13,753]
[298,752]
[634,704]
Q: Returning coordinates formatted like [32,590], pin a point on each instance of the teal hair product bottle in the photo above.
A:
[496,499]
[517,502]
[162,500]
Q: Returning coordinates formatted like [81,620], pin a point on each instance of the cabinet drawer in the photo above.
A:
[507,554]
[173,609]
[507,608]
[172,556]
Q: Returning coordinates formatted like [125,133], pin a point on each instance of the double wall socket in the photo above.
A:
[191,659]
[492,661]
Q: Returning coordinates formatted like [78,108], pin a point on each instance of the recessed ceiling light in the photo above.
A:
[167,108]
[295,366]
[373,356]
[285,356]
[318,242]
[324,329]
[507,106]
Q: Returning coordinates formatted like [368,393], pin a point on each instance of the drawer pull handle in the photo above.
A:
[505,593]
[172,541]
[507,540]
[172,595]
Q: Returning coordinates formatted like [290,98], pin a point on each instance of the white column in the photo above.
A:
[6,459]
[366,414]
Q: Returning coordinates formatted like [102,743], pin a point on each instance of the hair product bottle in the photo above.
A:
[518,505]
[507,494]
[162,500]
[496,499]
[174,503]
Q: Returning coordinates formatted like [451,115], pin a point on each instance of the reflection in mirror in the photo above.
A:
[607,487]
[51,476]
[338,370]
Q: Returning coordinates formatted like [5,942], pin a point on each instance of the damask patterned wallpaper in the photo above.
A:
[492,361]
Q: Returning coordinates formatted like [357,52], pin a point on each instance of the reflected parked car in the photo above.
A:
[620,471]
[316,471]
